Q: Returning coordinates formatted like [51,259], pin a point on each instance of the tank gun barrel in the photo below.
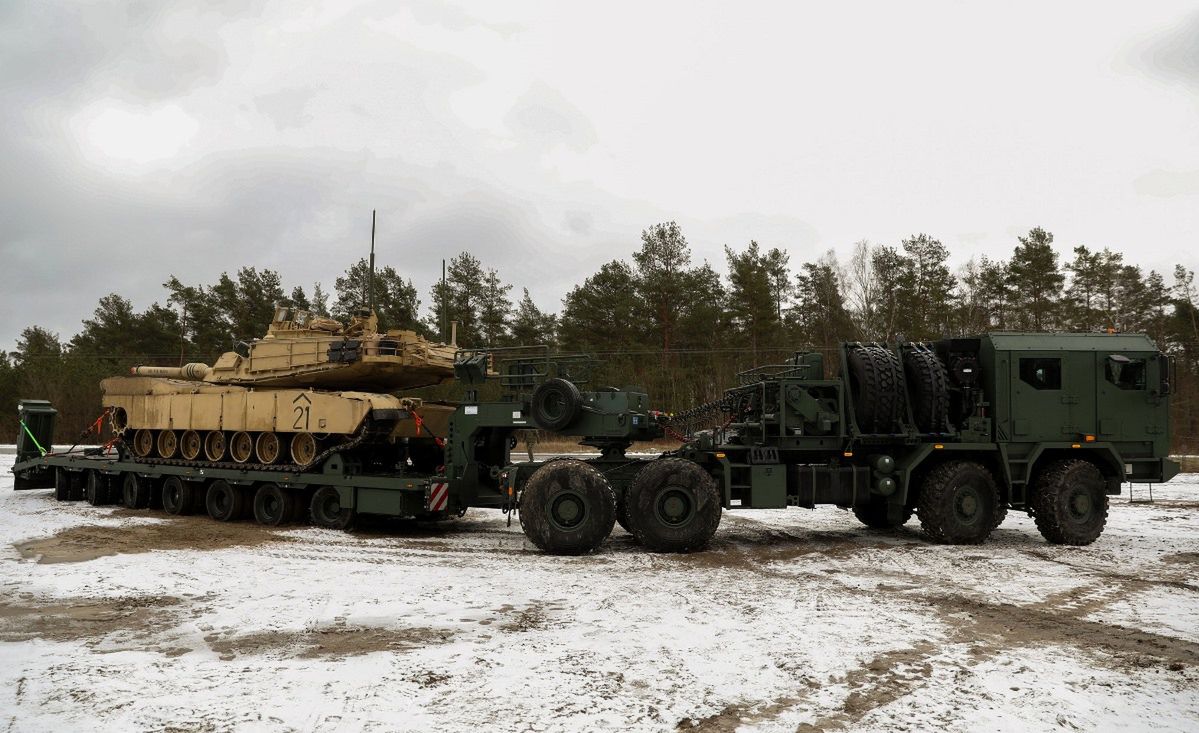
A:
[194,371]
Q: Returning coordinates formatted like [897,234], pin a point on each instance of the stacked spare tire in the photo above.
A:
[883,385]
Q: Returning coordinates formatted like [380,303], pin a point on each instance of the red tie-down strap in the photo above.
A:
[420,425]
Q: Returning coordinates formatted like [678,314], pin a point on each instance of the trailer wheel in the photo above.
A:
[876,515]
[78,491]
[555,404]
[928,383]
[958,503]
[1069,503]
[97,488]
[135,491]
[567,507]
[673,506]
[874,381]
[62,484]
[327,511]
[177,496]
[273,506]
[224,502]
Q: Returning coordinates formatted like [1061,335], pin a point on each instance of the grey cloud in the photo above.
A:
[543,116]
[1167,183]
[1174,54]
[286,108]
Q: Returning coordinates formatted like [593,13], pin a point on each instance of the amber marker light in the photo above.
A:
[1076,445]
[720,456]
[848,454]
[1089,438]
[939,446]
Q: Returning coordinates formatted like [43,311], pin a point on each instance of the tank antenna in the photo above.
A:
[370,281]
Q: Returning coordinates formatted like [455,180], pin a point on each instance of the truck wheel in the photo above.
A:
[958,503]
[876,515]
[1069,503]
[874,380]
[928,383]
[673,506]
[273,506]
[622,510]
[135,491]
[224,502]
[567,507]
[62,484]
[327,511]
[97,488]
[177,496]
[555,404]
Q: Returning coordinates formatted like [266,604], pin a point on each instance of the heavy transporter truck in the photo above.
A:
[957,432]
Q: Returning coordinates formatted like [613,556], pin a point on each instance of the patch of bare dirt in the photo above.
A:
[136,621]
[331,641]
[1180,558]
[88,542]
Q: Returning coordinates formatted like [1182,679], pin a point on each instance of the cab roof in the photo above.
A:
[1024,341]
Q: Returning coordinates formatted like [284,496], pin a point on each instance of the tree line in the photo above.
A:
[658,319]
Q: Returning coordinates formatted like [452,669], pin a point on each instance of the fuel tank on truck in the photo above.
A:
[311,385]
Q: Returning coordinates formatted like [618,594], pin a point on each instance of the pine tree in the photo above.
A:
[531,325]
[1035,281]
[494,309]
[662,266]
[752,304]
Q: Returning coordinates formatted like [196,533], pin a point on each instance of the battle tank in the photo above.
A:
[311,386]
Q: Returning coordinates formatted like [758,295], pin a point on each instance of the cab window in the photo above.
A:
[1124,372]
[1041,373]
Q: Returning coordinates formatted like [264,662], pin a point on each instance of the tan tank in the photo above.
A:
[310,385]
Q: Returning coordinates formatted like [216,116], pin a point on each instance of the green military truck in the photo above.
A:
[956,432]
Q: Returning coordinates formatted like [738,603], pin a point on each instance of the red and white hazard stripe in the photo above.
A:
[439,496]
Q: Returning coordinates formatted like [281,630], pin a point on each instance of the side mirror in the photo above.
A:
[1165,366]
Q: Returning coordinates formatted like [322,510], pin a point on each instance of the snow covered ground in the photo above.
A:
[113,619]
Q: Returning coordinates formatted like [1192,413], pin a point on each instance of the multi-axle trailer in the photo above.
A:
[956,431]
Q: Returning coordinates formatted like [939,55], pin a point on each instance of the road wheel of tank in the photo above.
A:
[326,509]
[555,404]
[273,506]
[224,502]
[958,503]
[267,447]
[241,447]
[673,506]
[214,445]
[62,484]
[874,381]
[567,507]
[143,443]
[190,445]
[1070,503]
[167,444]
[135,491]
[303,449]
[876,515]
[928,383]
[177,496]
[97,488]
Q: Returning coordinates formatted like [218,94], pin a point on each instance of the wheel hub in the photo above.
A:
[968,505]
[674,507]
[567,511]
[1080,504]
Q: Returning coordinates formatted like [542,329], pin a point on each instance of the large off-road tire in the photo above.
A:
[958,503]
[622,510]
[673,506]
[178,496]
[62,484]
[97,491]
[876,515]
[1070,502]
[928,384]
[224,502]
[135,491]
[567,507]
[874,381]
[326,509]
[555,404]
[273,506]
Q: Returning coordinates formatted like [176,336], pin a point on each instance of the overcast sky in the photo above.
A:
[139,140]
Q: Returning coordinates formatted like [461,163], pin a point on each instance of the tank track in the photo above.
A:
[366,432]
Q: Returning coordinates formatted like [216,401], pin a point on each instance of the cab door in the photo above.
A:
[1053,396]
[1124,406]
